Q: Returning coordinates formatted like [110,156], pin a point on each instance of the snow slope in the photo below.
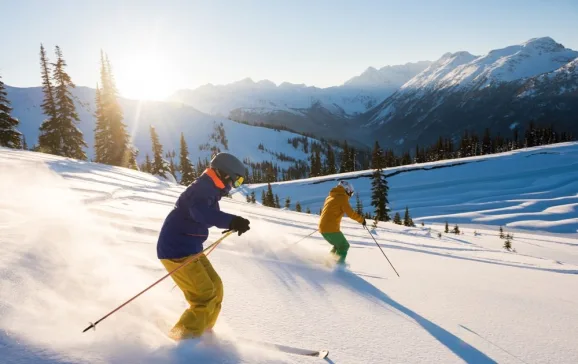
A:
[531,189]
[169,120]
[78,239]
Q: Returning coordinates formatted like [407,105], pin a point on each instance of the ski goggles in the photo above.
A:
[239,181]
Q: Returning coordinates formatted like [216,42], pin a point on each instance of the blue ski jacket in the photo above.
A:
[186,227]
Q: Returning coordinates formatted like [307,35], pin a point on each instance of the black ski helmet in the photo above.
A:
[228,164]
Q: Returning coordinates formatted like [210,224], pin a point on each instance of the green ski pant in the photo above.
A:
[340,245]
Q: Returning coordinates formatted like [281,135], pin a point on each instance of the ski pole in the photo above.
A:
[210,249]
[381,250]
[214,244]
[303,238]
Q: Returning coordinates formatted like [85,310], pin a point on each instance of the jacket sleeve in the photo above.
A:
[346,207]
[201,211]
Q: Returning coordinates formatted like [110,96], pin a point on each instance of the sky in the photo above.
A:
[158,47]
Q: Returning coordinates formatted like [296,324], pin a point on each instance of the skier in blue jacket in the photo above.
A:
[184,231]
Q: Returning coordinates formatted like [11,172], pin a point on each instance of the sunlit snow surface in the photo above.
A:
[78,239]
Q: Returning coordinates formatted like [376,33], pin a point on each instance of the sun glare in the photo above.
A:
[144,77]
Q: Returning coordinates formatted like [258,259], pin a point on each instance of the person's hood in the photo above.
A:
[337,191]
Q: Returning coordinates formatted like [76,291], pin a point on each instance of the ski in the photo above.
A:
[286,349]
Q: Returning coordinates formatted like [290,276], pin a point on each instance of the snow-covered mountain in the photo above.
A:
[297,106]
[389,75]
[169,120]
[466,71]
[78,240]
[510,86]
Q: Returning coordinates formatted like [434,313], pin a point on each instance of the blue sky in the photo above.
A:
[187,43]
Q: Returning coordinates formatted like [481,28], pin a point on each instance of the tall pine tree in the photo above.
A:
[358,204]
[186,167]
[112,141]
[298,207]
[377,159]
[407,220]
[72,141]
[269,196]
[9,136]
[159,165]
[172,166]
[49,139]
[379,193]
[330,161]
[315,162]
[352,160]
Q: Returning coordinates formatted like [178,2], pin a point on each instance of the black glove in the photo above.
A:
[364,223]
[239,224]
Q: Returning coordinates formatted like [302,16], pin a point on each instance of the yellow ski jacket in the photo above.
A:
[336,204]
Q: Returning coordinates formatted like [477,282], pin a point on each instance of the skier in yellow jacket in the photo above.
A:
[336,204]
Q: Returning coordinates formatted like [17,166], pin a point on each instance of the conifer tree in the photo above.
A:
[269,196]
[9,136]
[447,229]
[253,199]
[102,137]
[456,229]
[315,163]
[501,233]
[308,210]
[186,167]
[377,160]
[298,207]
[352,160]
[358,204]
[49,139]
[59,135]
[330,162]
[172,166]
[248,198]
[407,220]
[277,203]
[159,166]
[132,163]
[379,194]
[263,198]
[112,141]
[148,164]
[287,202]
[72,139]
[397,218]
[24,144]
[508,242]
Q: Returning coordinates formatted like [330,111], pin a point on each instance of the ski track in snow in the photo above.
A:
[78,239]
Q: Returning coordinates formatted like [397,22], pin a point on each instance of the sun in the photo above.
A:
[144,77]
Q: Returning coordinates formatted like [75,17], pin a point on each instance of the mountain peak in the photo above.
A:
[245,81]
[395,75]
[267,83]
[542,42]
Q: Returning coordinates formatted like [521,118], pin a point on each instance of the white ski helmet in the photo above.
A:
[348,187]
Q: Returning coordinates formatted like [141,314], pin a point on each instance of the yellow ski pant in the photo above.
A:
[203,290]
